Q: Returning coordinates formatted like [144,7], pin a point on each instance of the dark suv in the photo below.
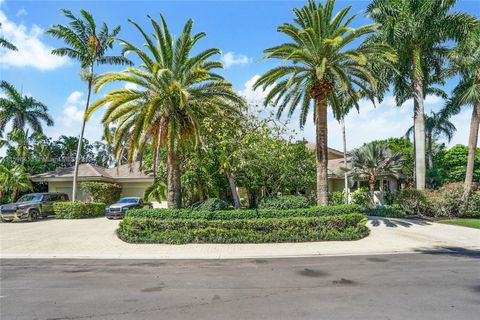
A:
[31,206]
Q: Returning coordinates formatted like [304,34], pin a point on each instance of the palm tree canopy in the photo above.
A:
[418,30]
[21,110]
[174,90]
[437,124]
[319,58]
[4,43]
[83,41]
[14,179]
[375,159]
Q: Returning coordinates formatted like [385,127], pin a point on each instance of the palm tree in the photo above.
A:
[175,92]
[436,125]
[22,140]
[89,48]
[465,60]
[322,56]
[14,180]
[68,147]
[417,31]
[6,44]
[157,191]
[21,110]
[373,160]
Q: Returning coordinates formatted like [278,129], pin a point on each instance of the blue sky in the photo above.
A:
[241,29]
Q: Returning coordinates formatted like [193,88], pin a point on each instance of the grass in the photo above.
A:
[471,223]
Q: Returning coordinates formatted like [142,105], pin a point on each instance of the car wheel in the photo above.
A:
[33,215]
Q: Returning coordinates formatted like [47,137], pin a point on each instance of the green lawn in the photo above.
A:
[471,223]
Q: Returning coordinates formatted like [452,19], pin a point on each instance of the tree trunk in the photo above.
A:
[344,136]
[419,123]
[13,196]
[472,147]
[174,187]
[430,151]
[252,198]
[371,183]
[321,149]
[233,187]
[80,140]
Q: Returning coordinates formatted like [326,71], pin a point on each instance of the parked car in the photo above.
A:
[31,206]
[118,209]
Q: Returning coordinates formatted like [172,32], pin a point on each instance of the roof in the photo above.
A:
[332,153]
[88,171]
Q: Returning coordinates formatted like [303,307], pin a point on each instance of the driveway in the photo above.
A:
[95,238]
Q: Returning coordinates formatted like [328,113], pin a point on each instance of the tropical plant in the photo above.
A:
[4,43]
[175,92]
[465,60]
[320,57]
[21,110]
[89,47]
[417,31]
[14,180]
[22,141]
[157,191]
[436,125]
[373,160]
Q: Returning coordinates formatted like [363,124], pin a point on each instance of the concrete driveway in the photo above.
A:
[95,238]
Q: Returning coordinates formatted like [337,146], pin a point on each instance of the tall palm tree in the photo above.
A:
[88,45]
[4,43]
[436,125]
[418,30]
[465,60]
[321,56]
[21,110]
[176,90]
[373,160]
[22,141]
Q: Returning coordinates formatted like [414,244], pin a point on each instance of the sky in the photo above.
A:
[241,29]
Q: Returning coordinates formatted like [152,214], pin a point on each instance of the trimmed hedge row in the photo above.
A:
[298,229]
[284,202]
[384,211]
[242,213]
[78,209]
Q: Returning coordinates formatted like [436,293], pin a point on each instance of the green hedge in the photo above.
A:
[242,213]
[103,192]
[78,209]
[299,229]
[212,204]
[284,202]
[384,211]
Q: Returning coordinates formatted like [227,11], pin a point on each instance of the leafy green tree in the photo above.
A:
[373,160]
[418,31]
[465,60]
[323,54]
[88,47]
[176,91]
[453,164]
[436,125]
[4,43]
[14,180]
[21,111]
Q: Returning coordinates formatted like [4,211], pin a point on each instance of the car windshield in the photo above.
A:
[30,197]
[128,200]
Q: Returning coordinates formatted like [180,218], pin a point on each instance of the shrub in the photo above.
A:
[361,197]
[242,213]
[101,191]
[179,231]
[412,202]
[78,209]
[284,202]
[385,211]
[336,198]
[212,204]
[448,201]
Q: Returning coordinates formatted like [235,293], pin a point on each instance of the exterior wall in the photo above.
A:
[335,185]
[137,189]
[65,187]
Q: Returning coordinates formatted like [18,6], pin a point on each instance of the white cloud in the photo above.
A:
[73,109]
[32,52]
[231,58]
[22,12]
[131,86]
[255,98]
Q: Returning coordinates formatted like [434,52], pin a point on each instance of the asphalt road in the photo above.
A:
[407,286]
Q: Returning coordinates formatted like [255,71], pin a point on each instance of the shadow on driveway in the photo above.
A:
[451,251]
[394,223]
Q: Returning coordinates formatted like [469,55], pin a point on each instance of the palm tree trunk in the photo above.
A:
[472,147]
[80,140]
[344,136]
[321,149]
[174,195]
[13,196]
[430,151]
[419,123]
[371,183]
[233,187]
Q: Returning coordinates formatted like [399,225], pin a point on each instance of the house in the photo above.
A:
[130,177]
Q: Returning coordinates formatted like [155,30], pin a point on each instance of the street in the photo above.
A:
[403,286]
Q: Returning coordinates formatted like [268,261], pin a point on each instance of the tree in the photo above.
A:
[322,56]
[436,125]
[89,48]
[156,191]
[21,110]
[14,180]
[175,92]
[452,165]
[4,43]
[374,160]
[417,31]
[465,60]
